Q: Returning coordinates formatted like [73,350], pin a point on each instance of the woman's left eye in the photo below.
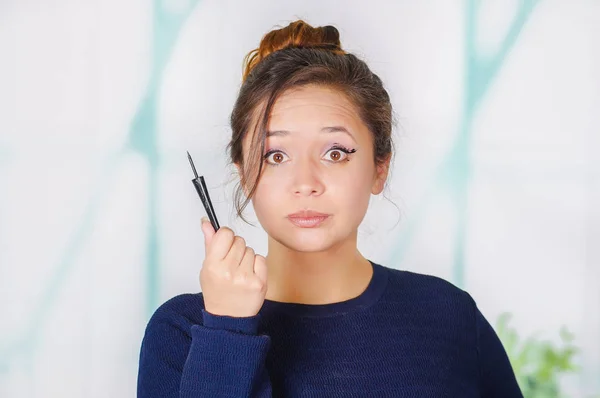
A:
[337,154]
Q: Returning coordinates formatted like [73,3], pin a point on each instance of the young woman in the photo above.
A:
[314,318]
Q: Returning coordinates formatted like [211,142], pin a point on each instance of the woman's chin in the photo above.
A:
[306,241]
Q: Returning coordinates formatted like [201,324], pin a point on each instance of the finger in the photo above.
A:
[247,263]
[234,257]
[207,230]
[220,244]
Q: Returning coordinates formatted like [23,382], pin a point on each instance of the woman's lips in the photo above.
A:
[306,213]
[308,222]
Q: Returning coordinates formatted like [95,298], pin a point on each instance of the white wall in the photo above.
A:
[96,232]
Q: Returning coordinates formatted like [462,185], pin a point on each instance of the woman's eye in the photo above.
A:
[275,157]
[337,154]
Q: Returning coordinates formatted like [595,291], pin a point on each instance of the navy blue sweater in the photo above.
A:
[406,335]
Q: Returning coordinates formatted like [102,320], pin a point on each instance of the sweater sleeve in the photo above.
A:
[222,357]
[496,376]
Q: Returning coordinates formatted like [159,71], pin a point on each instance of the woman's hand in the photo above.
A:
[233,279]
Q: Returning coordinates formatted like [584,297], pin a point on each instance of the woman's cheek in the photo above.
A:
[265,196]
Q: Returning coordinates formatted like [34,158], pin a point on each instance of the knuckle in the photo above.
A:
[227,275]
[211,272]
[239,241]
[258,285]
[226,233]
[241,277]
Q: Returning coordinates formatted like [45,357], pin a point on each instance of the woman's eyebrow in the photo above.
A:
[331,129]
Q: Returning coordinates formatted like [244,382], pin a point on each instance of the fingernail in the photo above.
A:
[204,219]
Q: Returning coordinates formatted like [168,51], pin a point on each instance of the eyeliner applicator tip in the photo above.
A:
[192,164]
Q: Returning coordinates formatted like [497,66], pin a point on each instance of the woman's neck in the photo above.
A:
[331,276]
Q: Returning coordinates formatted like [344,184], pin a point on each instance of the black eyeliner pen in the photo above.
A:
[203,192]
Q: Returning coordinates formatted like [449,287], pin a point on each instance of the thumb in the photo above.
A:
[208,231]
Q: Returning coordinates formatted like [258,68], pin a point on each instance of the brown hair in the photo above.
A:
[294,56]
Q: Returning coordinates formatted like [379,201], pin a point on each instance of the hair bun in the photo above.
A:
[296,34]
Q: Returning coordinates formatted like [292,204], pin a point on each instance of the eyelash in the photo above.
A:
[347,151]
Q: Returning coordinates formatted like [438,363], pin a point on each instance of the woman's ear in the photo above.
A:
[381,174]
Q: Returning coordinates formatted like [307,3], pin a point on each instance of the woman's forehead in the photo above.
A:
[307,112]
[313,111]
[313,99]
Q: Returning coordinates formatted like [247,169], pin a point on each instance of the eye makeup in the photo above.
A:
[337,147]
[348,151]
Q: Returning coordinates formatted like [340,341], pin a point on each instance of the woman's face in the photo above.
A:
[319,157]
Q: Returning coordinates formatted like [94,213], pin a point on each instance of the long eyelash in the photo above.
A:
[266,155]
[343,149]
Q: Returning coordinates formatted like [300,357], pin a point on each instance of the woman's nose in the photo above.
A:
[306,179]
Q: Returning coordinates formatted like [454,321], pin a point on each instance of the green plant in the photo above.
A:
[538,364]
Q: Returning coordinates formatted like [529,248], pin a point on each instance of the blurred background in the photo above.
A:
[495,185]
